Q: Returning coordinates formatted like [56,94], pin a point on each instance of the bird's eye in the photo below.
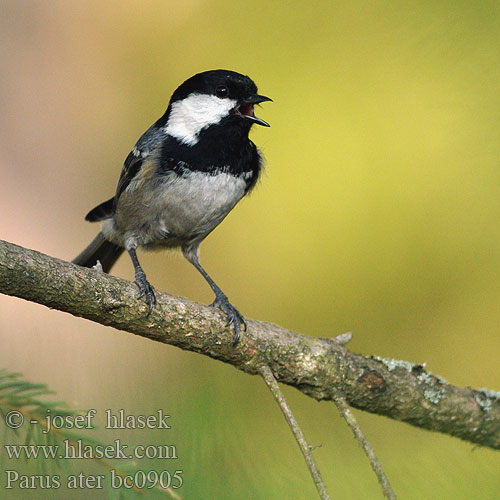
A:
[221,91]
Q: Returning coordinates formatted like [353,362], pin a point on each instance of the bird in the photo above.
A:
[182,178]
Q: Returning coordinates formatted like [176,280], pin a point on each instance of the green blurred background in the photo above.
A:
[378,214]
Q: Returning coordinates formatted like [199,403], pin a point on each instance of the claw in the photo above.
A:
[234,317]
[146,290]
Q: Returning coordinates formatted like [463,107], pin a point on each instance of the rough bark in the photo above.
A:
[320,368]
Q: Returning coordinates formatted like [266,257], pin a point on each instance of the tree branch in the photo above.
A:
[320,368]
[271,382]
[351,421]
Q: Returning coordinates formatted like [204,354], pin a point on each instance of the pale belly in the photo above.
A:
[175,211]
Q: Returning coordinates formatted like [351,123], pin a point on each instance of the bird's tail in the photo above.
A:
[102,250]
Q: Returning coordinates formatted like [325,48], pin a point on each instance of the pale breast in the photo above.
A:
[178,208]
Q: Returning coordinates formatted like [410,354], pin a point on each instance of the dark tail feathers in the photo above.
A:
[102,250]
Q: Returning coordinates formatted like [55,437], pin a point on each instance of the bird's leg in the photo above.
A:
[145,288]
[221,301]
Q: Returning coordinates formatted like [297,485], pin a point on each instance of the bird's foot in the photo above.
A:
[146,290]
[234,317]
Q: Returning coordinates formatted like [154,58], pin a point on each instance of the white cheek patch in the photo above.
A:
[195,113]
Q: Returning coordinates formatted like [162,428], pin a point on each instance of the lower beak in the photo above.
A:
[246,111]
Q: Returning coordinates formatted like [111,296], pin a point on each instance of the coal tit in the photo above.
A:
[182,178]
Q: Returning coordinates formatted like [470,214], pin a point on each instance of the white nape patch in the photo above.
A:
[139,153]
[196,112]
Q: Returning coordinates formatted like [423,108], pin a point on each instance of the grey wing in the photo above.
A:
[145,146]
[130,169]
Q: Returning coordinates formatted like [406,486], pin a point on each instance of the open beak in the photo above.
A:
[246,111]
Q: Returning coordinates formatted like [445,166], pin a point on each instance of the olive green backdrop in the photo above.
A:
[378,214]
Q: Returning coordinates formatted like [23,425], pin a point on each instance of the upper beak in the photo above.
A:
[245,108]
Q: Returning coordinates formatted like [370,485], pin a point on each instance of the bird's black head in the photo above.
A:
[209,98]
[236,85]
